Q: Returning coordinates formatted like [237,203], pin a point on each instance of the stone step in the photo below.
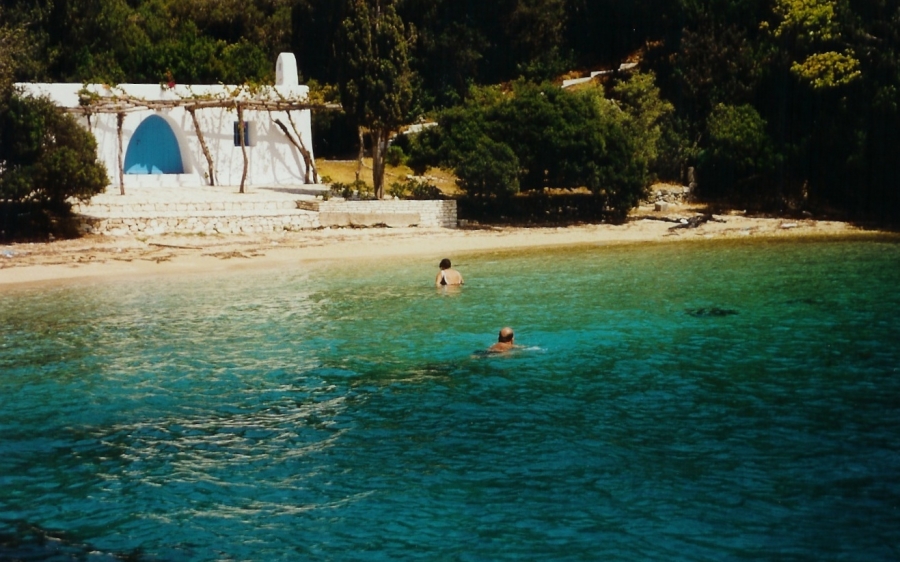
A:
[194,209]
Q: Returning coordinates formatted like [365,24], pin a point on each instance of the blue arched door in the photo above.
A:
[153,149]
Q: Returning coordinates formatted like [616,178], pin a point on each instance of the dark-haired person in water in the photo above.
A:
[447,275]
[504,341]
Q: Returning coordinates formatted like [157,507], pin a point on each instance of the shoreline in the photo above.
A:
[104,257]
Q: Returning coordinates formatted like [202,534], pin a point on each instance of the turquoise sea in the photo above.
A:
[690,401]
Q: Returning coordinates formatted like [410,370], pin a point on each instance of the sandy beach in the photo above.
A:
[94,257]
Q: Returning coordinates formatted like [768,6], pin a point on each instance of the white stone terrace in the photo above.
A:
[176,201]
[224,210]
[208,210]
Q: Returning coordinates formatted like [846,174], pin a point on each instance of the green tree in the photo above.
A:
[197,41]
[536,32]
[716,62]
[875,162]
[610,31]
[491,168]
[568,139]
[812,30]
[9,39]
[458,45]
[832,67]
[740,157]
[19,49]
[643,111]
[548,136]
[376,80]
[92,40]
[46,157]
[316,26]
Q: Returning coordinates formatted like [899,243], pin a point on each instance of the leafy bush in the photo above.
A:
[364,191]
[45,155]
[46,158]
[739,156]
[423,150]
[646,116]
[358,189]
[394,156]
[413,188]
[677,151]
[539,136]
[492,168]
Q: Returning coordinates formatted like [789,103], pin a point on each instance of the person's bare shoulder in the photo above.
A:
[453,277]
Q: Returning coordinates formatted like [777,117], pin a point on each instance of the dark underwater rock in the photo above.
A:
[28,542]
[809,300]
[711,311]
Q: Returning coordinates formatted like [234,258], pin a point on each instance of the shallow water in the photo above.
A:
[704,401]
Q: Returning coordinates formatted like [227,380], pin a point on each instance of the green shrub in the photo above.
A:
[358,189]
[491,169]
[739,155]
[46,159]
[413,188]
[538,136]
[399,190]
[646,116]
[364,191]
[394,156]
[424,150]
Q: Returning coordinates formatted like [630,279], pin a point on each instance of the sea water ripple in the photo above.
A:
[709,402]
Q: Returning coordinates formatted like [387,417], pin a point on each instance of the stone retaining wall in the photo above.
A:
[671,194]
[184,208]
[210,224]
[432,213]
[218,217]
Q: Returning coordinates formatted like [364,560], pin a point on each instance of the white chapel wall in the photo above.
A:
[272,158]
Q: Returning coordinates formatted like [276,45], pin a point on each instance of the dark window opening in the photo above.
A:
[237,134]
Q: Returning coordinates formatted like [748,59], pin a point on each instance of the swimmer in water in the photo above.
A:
[447,275]
[504,341]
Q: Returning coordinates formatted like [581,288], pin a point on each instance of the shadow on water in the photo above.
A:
[712,311]
[23,541]
[811,301]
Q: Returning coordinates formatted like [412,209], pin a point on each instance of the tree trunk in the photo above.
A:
[379,148]
[362,152]
[206,154]
[300,148]
[120,118]
[240,115]
[311,172]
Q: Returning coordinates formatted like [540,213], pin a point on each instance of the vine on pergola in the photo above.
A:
[238,99]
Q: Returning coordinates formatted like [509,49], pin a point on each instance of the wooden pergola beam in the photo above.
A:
[119,104]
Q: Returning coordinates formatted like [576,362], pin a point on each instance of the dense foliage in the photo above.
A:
[46,158]
[541,136]
[786,104]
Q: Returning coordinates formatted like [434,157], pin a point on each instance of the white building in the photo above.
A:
[154,134]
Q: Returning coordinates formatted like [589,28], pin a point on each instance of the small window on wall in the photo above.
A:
[248,138]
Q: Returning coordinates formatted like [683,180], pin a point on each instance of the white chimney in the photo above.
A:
[286,70]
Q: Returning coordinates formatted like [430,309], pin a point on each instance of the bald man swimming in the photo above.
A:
[504,341]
